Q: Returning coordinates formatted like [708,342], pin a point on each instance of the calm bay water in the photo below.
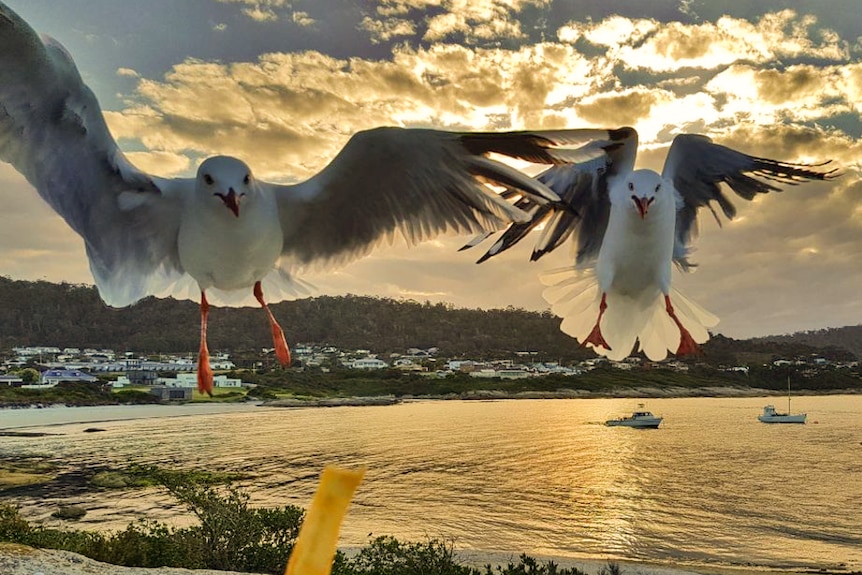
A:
[711,486]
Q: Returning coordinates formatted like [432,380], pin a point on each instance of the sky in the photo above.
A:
[284,83]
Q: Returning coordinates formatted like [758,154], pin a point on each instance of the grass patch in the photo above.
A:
[139,476]
[25,471]
[12,479]
[221,395]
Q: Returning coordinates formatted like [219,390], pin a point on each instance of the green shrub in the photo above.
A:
[13,527]
[237,537]
[231,535]
[388,556]
[529,566]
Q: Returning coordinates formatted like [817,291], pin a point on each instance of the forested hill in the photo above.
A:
[65,315]
[849,338]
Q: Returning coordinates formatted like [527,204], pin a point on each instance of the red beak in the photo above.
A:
[642,205]
[231,200]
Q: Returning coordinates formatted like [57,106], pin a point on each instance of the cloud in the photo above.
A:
[473,24]
[260,10]
[800,93]
[621,109]
[665,47]
[388,29]
[291,111]
[303,19]
[477,21]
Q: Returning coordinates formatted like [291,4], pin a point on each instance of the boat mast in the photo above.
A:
[788,395]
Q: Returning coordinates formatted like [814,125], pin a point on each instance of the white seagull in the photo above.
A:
[225,230]
[631,225]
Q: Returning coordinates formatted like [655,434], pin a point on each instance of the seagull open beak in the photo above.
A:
[642,204]
[231,200]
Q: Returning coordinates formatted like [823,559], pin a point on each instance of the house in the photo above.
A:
[190,381]
[465,365]
[368,363]
[52,377]
[142,377]
[121,381]
[406,364]
[11,381]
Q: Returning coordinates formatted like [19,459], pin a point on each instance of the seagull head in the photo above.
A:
[643,188]
[225,179]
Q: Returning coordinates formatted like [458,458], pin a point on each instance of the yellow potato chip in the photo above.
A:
[318,536]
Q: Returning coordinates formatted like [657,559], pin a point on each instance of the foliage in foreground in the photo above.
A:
[388,556]
[233,536]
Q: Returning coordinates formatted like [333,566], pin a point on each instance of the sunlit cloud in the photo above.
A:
[260,10]
[385,30]
[281,109]
[647,44]
[302,19]
[437,20]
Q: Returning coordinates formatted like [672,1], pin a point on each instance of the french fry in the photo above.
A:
[315,546]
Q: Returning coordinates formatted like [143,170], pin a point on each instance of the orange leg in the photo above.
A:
[205,372]
[282,352]
[687,345]
[596,338]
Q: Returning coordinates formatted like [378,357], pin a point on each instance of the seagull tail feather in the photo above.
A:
[574,295]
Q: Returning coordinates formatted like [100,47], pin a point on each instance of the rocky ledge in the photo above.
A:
[23,560]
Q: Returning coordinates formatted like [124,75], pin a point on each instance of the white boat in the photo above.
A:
[770,415]
[639,418]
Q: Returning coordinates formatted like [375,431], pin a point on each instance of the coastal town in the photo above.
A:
[172,376]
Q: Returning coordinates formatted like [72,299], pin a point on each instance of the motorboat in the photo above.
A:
[639,418]
[769,415]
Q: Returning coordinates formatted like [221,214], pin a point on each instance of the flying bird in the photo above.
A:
[630,226]
[226,231]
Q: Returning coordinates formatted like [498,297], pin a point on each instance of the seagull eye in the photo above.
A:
[631,187]
[246,180]
[657,188]
[208,179]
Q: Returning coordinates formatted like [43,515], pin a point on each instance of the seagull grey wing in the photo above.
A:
[697,167]
[584,208]
[53,132]
[414,183]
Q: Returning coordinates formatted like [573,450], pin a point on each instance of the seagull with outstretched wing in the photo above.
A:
[630,226]
[225,231]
